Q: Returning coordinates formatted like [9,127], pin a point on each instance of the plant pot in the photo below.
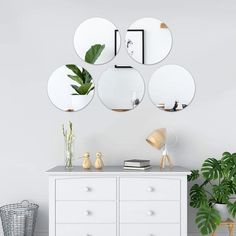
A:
[223,211]
[78,102]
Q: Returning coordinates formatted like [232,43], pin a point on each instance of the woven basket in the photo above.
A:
[19,219]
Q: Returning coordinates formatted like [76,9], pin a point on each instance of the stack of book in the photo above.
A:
[137,164]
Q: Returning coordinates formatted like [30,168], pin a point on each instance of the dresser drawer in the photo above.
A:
[149,189]
[85,212]
[150,212]
[150,230]
[86,189]
[85,229]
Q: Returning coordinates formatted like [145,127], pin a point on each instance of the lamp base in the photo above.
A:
[165,161]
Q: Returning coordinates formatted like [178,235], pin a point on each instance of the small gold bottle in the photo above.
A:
[86,161]
[98,162]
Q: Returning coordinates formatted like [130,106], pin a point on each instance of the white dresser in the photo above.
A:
[117,202]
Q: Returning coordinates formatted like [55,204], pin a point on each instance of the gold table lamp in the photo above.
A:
[158,140]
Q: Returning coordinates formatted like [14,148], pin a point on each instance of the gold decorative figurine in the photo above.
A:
[86,161]
[98,162]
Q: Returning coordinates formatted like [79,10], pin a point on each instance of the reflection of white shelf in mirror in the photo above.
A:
[121,109]
[161,105]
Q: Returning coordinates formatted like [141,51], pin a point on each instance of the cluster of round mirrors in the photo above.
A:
[121,87]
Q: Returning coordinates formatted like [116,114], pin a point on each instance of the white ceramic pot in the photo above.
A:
[223,210]
[78,102]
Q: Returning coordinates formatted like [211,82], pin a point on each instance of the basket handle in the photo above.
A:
[25,203]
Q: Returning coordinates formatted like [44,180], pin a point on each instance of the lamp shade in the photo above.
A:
[157,138]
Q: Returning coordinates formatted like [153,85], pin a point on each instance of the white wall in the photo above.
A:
[37,37]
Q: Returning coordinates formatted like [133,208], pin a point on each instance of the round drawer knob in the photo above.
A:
[87,189]
[87,213]
[150,213]
[150,189]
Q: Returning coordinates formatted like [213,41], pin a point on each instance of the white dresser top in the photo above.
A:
[118,170]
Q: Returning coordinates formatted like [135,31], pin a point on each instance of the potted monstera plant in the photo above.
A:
[84,81]
[212,192]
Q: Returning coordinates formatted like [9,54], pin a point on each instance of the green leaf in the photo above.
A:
[93,53]
[211,169]
[76,78]
[83,89]
[231,185]
[198,196]
[91,88]
[207,220]
[229,165]
[232,208]
[221,193]
[75,69]
[86,75]
[76,88]
[194,175]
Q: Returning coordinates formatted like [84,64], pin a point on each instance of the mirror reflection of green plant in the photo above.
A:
[94,53]
[83,78]
[218,184]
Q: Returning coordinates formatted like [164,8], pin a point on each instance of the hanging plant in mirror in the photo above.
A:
[82,78]
[70,87]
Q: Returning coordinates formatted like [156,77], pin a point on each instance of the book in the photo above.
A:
[137,163]
[137,168]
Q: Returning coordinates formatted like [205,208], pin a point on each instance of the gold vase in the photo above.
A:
[86,161]
[98,162]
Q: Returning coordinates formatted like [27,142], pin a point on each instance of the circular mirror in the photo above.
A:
[148,41]
[171,88]
[121,89]
[70,88]
[97,41]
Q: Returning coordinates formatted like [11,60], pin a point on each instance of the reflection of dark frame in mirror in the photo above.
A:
[116,49]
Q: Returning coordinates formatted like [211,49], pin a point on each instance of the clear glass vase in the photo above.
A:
[69,153]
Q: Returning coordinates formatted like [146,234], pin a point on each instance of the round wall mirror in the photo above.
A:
[97,41]
[70,88]
[121,89]
[171,88]
[148,41]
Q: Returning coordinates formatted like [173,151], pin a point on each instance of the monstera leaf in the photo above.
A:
[211,169]
[232,208]
[194,175]
[93,53]
[227,163]
[207,220]
[231,186]
[221,193]
[198,196]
